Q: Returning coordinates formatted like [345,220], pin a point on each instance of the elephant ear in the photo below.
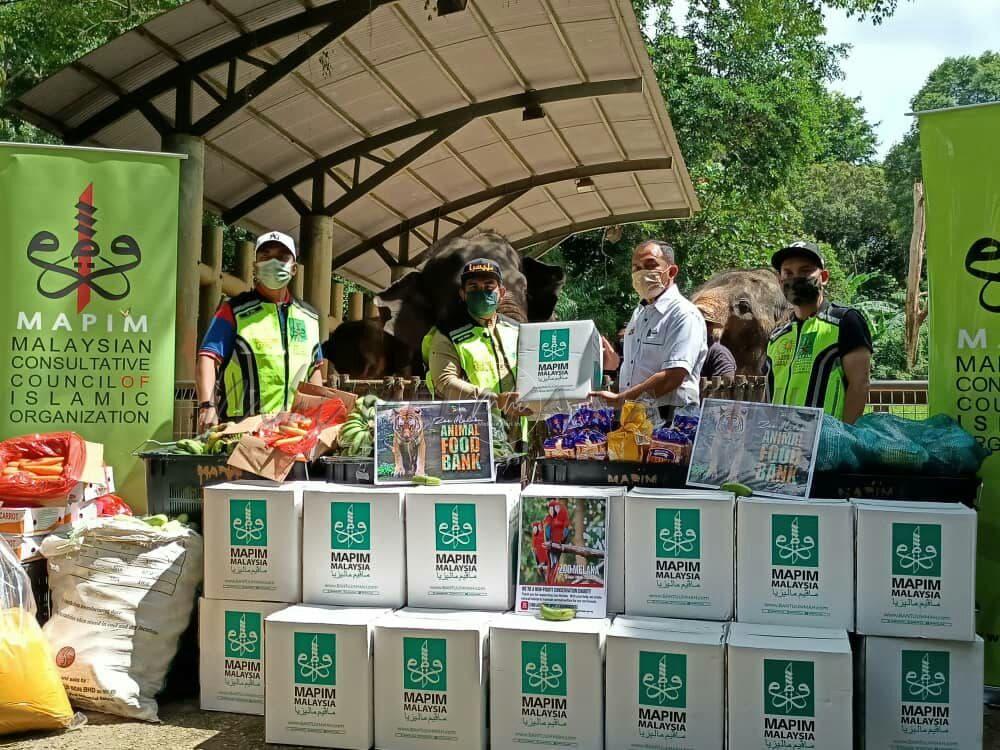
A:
[544,282]
[410,308]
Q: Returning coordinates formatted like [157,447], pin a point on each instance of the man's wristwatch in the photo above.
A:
[205,405]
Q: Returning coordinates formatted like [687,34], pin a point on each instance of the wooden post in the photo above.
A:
[298,284]
[336,305]
[916,312]
[210,294]
[371,310]
[245,257]
[189,227]
[356,306]
[316,243]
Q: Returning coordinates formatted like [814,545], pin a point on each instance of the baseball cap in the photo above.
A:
[281,238]
[482,267]
[800,249]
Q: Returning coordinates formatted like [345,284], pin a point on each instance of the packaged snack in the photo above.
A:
[561,446]
[686,421]
[629,442]
[592,445]
[557,424]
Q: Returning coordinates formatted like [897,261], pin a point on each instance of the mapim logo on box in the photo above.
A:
[662,686]
[248,551]
[789,703]
[678,547]
[795,555]
[544,683]
[916,564]
[925,681]
[244,639]
[425,679]
[553,355]
[315,665]
[350,539]
[455,541]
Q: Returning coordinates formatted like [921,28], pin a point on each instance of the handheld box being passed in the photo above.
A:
[557,363]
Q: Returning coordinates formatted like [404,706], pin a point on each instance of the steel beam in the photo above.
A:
[338,14]
[599,223]
[454,120]
[517,186]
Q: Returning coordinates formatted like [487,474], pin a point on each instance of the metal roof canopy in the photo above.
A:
[404,126]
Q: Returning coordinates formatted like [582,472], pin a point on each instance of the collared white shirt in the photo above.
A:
[666,333]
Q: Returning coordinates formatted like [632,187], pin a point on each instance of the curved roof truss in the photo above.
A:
[392,119]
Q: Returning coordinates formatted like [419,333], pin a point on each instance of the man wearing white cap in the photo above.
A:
[264,342]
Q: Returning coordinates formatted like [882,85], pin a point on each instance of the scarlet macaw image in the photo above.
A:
[557,531]
[538,545]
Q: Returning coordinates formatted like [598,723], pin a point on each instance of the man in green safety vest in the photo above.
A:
[263,342]
[822,357]
[477,359]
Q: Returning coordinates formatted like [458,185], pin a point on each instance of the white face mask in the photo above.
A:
[275,274]
[648,284]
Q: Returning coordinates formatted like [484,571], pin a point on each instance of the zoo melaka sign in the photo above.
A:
[961,164]
[88,239]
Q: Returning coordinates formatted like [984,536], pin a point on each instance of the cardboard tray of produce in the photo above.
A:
[912,487]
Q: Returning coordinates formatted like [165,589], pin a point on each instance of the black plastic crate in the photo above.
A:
[609,473]
[915,488]
[174,483]
[343,470]
[38,574]
[912,487]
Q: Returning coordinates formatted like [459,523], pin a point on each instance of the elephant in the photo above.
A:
[752,305]
[428,297]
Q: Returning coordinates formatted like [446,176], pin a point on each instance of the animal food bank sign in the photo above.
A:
[961,166]
[88,239]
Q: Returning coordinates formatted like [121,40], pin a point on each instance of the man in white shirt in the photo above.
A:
[665,341]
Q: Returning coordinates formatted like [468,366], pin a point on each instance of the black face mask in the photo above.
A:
[802,290]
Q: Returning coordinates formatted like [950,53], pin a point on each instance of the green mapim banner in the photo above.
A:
[961,166]
[88,239]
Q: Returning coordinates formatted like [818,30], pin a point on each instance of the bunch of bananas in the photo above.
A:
[357,434]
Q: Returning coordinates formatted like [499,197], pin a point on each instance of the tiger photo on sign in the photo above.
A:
[409,450]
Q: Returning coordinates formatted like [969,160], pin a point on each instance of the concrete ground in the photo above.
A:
[185,727]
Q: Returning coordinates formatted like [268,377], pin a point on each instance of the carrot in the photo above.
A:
[287,441]
[46,460]
[288,429]
[10,471]
[47,471]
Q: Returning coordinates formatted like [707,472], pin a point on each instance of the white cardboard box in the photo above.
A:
[546,683]
[353,546]
[679,560]
[615,561]
[922,694]
[253,541]
[460,546]
[557,363]
[666,684]
[916,569]
[789,687]
[231,654]
[430,679]
[319,677]
[795,562]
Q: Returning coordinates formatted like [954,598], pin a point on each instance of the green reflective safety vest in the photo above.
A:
[804,366]
[478,356]
[268,363]
[425,352]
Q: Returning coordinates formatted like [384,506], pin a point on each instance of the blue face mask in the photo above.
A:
[482,304]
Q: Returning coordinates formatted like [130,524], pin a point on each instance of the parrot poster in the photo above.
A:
[562,552]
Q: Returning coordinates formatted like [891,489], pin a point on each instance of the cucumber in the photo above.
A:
[740,490]
[556,613]
[426,480]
